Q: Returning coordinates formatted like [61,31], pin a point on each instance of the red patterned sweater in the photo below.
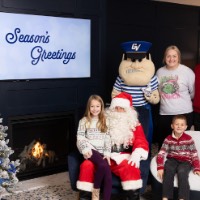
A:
[182,149]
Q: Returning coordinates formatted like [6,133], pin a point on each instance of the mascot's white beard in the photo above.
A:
[121,126]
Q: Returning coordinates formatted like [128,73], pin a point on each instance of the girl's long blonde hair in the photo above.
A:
[101,125]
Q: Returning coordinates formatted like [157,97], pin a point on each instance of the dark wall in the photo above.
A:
[113,22]
[162,24]
[58,95]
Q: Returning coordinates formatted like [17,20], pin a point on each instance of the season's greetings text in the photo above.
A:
[38,53]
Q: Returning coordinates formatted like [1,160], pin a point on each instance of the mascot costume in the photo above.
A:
[137,77]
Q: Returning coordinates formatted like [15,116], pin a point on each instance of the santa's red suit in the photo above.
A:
[129,147]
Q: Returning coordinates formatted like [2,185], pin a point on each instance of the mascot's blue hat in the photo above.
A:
[136,46]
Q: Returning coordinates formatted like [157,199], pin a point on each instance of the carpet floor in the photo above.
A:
[52,187]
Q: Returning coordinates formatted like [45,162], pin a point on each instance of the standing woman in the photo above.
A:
[176,88]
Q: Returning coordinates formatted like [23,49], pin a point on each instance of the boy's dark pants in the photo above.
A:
[182,169]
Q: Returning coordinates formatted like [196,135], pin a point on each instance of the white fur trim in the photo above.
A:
[118,158]
[142,152]
[86,186]
[124,103]
[132,185]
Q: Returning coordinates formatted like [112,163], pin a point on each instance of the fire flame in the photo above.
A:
[38,150]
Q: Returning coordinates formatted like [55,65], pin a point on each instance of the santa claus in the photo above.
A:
[129,147]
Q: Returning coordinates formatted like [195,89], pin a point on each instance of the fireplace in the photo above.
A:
[41,142]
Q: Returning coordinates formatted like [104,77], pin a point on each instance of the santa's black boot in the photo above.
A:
[133,195]
[84,195]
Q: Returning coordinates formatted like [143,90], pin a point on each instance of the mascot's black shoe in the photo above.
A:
[84,195]
[132,195]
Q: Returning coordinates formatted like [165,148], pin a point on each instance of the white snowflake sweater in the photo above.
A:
[90,137]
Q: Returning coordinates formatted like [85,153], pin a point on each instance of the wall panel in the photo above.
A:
[19,98]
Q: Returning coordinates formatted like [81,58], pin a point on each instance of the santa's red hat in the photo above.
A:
[123,100]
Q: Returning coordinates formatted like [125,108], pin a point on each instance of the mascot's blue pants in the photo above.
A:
[145,118]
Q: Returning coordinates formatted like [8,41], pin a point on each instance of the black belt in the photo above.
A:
[121,148]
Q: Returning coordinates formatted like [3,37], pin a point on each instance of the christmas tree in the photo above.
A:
[8,169]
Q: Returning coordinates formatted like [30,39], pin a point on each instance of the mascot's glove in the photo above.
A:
[153,97]
[134,159]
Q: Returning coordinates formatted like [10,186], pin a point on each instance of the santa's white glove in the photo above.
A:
[134,159]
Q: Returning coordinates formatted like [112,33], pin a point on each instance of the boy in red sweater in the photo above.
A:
[196,101]
[181,155]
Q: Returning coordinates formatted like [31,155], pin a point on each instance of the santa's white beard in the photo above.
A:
[122,126]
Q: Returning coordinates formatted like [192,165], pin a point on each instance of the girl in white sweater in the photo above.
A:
[93,141]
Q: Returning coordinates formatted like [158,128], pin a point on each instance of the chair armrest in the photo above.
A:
[74,160]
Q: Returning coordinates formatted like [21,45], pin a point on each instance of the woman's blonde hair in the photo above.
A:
[175,48]
[102,119]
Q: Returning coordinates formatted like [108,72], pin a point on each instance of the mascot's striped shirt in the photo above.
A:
[136,91]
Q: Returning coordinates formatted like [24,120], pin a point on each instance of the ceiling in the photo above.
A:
[185,2]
